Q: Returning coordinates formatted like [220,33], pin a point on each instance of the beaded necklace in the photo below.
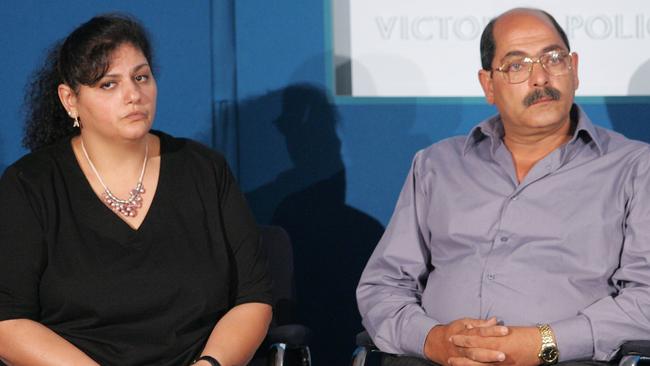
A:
[128,207]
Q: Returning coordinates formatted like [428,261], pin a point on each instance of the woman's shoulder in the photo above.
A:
[41,162]
[189,151]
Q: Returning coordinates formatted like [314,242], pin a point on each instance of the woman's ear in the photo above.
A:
[69,100]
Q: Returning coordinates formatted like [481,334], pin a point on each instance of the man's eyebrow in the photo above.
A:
[553,47]
[514,53]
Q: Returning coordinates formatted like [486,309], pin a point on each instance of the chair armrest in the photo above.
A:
[634,352]
[293,335]
[641,348]
[365,346]
[363,339]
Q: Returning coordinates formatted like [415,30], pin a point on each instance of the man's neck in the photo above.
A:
[528,149]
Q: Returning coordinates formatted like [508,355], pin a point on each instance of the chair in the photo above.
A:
[365,346]
[287,343]
[632,353]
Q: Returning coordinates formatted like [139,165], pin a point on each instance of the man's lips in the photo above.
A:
[543,100]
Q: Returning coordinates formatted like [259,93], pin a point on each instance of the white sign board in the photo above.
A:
[428,48]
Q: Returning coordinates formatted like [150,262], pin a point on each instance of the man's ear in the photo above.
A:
[574,69]
[485,78]
[68,98]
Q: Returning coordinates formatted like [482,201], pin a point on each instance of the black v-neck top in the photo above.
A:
[149,296]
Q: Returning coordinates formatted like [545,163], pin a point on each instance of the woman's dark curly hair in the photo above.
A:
[83,58]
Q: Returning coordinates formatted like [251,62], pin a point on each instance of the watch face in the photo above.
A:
[549,354]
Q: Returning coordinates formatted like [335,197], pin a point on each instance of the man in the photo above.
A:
[537,220]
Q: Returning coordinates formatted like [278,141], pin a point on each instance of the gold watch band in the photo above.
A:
[548,353]
[547,334]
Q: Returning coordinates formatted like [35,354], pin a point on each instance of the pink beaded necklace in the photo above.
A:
[128,207]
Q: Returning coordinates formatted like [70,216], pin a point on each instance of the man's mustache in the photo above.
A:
[538,94]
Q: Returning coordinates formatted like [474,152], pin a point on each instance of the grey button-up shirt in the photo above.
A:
[569,245]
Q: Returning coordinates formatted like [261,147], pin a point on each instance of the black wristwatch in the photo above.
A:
[213,361]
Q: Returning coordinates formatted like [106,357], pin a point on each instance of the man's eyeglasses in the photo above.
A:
[518,70]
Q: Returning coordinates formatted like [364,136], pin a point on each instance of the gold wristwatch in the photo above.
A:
[549,353]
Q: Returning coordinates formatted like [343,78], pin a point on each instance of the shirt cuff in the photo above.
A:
[415,334]
[574,338]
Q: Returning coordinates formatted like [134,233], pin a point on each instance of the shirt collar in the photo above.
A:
[492,128]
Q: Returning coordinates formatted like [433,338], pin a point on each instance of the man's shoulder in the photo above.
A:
[613,142]
[444,149]
[446,152]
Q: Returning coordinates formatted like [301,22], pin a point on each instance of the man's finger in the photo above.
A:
[473,338]
[488,331]
[482,354]
[463,361]
[493,331]
[474,323]
[464,341]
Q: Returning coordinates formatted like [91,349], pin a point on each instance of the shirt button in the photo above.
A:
[504,239]
[514,198]
[491,276]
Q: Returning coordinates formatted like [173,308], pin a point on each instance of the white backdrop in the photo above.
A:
[430,48]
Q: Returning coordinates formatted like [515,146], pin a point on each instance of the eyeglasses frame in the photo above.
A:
[532,62]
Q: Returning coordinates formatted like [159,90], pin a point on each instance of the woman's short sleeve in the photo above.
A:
[253,282]
[21,248]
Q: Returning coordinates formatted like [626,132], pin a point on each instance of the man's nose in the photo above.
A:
[538,75]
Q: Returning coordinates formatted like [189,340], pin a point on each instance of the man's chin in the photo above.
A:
[543,115]
[556,108]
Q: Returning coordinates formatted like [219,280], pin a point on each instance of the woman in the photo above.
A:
[122,245]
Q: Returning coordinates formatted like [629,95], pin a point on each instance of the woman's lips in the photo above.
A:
[134,116]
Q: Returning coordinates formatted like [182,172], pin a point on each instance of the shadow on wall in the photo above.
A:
[631,119]
[640,81]
[332,241]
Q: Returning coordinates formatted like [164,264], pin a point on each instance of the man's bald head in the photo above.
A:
[488,43]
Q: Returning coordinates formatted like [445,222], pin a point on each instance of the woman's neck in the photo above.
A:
[113,155]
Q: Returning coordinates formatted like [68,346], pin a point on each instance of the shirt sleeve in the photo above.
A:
[22,253]
[391,286]
[625,315]
[574,338]
[253,282]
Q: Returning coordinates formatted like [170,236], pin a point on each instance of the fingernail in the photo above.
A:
[501,357]
[503,330]
[469,326]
